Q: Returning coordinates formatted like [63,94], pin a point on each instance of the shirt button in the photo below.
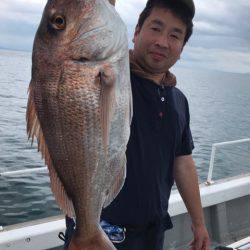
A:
[162,99]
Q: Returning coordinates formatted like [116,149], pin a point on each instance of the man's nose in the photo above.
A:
[162,41]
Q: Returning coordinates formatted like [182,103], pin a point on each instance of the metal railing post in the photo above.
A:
[214,146]
[211,166]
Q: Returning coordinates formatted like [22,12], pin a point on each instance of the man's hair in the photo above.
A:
[178,8]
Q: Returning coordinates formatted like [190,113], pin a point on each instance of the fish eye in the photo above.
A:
[58,22]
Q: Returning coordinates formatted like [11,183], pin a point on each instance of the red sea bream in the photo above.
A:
[79,109]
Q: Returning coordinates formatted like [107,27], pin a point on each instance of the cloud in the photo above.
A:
[216,59]
[226,16]
[205,27]
[130,10]
[221,36]
[220,40]
[29,11]
[19,20]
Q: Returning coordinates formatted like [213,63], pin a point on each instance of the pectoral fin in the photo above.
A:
[118,182]
[107,100]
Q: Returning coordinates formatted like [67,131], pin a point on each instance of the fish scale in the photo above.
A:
[79,109]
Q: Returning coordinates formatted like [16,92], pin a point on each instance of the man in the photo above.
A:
[160,145]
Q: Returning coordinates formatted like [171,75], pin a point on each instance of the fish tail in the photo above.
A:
[99,241]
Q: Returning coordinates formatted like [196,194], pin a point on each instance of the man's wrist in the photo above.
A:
[197,224]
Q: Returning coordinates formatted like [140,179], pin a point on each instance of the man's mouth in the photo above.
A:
[157,55]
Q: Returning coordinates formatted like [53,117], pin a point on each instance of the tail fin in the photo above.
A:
[99,241]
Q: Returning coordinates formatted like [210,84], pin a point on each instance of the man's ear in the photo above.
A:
[181,51]
[137,31]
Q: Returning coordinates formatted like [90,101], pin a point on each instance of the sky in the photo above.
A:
[221,38]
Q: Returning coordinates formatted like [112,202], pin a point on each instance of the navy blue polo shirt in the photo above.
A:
[159,132]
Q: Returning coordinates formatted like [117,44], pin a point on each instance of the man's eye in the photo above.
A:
[175,37]
[155,29]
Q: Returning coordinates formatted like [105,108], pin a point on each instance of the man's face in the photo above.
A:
[159,42]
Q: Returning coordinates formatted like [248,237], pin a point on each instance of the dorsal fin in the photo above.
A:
[34,130]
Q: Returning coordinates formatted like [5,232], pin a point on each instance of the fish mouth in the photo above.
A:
[81,59]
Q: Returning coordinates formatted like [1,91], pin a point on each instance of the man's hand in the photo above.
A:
[187,182]
[201,238]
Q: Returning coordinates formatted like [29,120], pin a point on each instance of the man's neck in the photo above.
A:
[157,78]
[165,78]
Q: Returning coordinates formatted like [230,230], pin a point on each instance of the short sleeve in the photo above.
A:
[187,145]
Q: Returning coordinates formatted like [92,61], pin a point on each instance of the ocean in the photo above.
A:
[219,108]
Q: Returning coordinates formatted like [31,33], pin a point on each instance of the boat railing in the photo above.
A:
[209,177]
[24,171]
[217,194]
[212,158]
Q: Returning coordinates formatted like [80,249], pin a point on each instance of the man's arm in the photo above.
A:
[187,183]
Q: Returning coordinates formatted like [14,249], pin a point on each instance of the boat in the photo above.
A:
[226,204]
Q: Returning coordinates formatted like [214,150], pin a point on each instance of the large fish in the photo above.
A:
[79,109]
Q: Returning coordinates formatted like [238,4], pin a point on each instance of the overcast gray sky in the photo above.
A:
[221,38]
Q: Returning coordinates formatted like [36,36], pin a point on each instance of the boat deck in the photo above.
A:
[226,205]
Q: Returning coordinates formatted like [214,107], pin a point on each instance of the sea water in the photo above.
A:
[219,107]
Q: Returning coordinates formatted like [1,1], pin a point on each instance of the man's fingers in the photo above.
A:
[198,244]
[206,244]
